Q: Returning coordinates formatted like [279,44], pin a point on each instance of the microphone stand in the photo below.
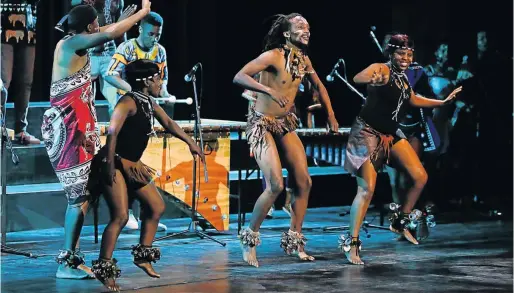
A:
[5,143]
[195,194]
[349,85]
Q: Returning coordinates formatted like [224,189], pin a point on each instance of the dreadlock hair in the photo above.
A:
[275,37]
[398,41]
[139,71]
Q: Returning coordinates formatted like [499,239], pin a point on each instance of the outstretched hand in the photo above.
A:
[453,94]
[146,4]
[131,9]
[378,77]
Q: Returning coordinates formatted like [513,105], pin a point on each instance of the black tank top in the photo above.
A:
[386,105]
[134,135]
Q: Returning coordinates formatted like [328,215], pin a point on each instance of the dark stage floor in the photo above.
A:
[458,257]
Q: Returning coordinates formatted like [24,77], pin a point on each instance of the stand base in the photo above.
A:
[365,226]
[192,230]
[9,250]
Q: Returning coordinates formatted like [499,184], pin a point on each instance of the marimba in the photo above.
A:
[225,149]
[320,144]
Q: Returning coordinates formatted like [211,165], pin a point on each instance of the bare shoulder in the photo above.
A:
[127,100]
[271,56]
[62,53]
[380,67]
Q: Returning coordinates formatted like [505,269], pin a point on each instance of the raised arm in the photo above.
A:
[422,102]
[86,41]
[376,74]
[126,107]
[173,128]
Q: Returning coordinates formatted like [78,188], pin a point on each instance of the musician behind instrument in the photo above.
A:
[123,173]
[443,78]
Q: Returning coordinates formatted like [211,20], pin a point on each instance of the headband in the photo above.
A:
[400,47]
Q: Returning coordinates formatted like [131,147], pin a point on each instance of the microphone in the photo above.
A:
[191,73]
[372,35]
[173,100]
[330,77]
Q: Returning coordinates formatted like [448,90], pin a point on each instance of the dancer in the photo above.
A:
[145,46]
[121,170]
[69,125]
[375,138]
[108,11]
[306,96]
[271,125]
[420,132]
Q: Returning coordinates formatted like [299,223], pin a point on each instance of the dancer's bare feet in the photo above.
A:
[249,242]
[400,222]
[304,256]
[148,269]
[71,266]
[111,285]
[351,247]
[66,272]
[87,270]
[144,256]
[106,271]
[250,255]
[294,243]
[353,256]
[405,233]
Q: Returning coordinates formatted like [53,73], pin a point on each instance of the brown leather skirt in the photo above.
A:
[135,174]
[366,143]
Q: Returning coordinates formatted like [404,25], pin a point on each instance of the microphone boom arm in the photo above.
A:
[350,86]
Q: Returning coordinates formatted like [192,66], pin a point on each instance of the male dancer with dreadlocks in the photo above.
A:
[68,127]
[375,137]
[271,125]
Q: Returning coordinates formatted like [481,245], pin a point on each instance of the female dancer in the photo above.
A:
[122,171]
[68,127]
[375,138]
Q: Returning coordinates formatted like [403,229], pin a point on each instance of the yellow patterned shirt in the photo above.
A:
[129,51]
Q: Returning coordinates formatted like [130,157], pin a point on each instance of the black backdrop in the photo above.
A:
[225,34]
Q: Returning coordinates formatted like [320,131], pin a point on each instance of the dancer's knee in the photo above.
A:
[156,212]
[420,178]
[366,192]
[120,219]
[276,186]
[304,184]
